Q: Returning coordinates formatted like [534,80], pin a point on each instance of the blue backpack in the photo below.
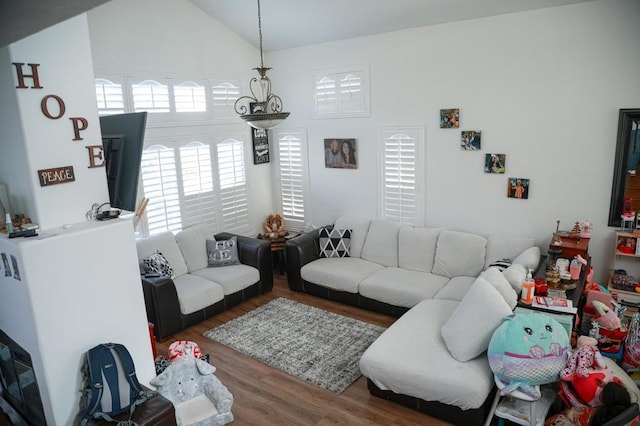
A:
[110,384]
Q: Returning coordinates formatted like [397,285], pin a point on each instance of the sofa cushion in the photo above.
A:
[529,258]
[410,358]
[515,274]
[381,244]
[504,246]
[192,243]
[165,243]
[334,242]
[500,283]
[456,288]
[195,293]
[417,248]
[401,287]
[469,329]
[359,227]
[459,253]
[343,274]
[223,252]
[232,278]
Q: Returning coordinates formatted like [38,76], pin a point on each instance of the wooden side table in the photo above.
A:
[277,249]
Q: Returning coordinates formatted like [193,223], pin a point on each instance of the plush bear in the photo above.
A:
[585,355]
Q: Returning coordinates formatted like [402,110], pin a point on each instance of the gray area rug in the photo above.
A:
[320,347]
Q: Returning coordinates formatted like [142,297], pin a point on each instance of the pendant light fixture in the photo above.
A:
[264,109]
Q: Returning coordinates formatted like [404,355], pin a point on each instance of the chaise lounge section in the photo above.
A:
[197,291]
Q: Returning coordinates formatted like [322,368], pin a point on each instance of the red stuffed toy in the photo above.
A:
[585,355]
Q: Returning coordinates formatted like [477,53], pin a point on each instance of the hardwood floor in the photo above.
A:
[266,396]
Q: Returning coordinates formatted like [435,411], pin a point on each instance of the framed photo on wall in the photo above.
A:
[470,140]
[260,146]
[450,118]
[494,163]
[340,154]
[518,188]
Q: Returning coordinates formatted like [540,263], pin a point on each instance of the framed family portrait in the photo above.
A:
[260,146]
[450,118]
[494,163]
[518,188]
[340,154]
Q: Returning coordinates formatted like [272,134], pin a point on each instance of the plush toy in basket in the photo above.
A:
[527,350]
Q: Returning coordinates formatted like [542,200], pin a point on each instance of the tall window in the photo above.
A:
[109,96]
[291,177]
[160,185]
[402,185]
[197,182]
[233,185]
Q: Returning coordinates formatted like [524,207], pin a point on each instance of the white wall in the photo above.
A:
[544,87]
[169,38]
[65,70]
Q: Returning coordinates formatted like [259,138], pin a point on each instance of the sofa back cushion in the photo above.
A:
[359,227]
[166,244]
[503,246]
[417,248]
[459,253]
[193,245]
[381,244]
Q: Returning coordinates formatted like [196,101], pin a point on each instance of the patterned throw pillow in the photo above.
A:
[159,264]
[335,242]
[223,252]
[501,264]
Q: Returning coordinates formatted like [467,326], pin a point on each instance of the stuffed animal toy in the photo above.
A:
[274,224]
[606,317]
[528,350]
[198,396]
[585,355]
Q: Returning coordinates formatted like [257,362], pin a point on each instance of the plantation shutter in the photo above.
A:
[291,177]
[199,204]
[109,96]
[401,186]
[351,96]
[224,94]
[233,186]
[160,186]
[150,96]
[189,97]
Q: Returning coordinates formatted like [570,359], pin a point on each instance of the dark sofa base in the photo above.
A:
[448,413]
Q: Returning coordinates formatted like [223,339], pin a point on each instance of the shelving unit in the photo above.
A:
[626,256]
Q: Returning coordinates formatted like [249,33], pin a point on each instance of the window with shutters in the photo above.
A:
[234,206]
[109,96]
[224,95]
[402,177]
[291,176]
[341,93]
[150,96]
[189,96]
[160,186]
[199,200]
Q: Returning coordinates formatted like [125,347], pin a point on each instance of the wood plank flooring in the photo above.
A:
[266,396]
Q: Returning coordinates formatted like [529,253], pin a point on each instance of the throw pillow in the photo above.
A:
[468,330]
[223,252]
[335,242]
[500,283]
[501,264]
[515,274]
[159,264]
[530,258]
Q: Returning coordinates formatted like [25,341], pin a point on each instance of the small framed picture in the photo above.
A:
[518,188]
[470,140]
[256,107]
[340,154]
[494,163]
[450,118]
[626,245]
[260,146]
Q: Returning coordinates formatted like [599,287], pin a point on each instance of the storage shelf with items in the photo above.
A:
[625,268]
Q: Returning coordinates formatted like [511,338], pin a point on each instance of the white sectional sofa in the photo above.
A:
[449,300]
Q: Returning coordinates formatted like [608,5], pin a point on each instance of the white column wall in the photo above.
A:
[544,87]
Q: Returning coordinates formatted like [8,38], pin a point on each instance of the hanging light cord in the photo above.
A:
[260,33]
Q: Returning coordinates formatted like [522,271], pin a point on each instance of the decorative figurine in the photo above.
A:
[575,231]
[585,229]
[553,278]
[556,240]
[274,225]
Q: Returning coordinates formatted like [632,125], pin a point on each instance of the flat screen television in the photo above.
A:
[122,141]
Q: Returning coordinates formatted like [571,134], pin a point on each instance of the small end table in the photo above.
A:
[277,249]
